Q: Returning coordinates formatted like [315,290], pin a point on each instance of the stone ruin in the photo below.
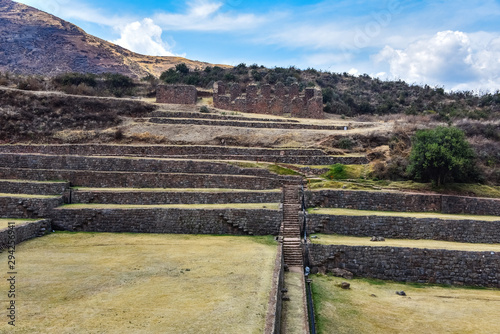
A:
[176,94]
[278,100]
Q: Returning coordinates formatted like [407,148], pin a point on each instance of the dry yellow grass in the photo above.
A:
[425,309]
[333,239]
[141,283]
[268,206]
[4,222]
[350,212]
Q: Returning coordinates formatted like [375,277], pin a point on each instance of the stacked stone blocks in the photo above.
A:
[285,100]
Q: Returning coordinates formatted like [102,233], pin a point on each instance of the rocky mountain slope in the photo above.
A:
[34,42]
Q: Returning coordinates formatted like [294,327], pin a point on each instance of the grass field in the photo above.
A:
[351,212]
[141,283]
[372,307]
[334,239]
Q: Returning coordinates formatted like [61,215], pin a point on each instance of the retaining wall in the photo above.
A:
[470,205]
[249,124]
[73,162]
[166,197]
[12,207]
[275,304]
[474,231]
[291,156]
[146,179]
[33,188]
[372,200]
[411,264]
[406,202]
[22,231]
[183,221]
[152,150]
[179,114]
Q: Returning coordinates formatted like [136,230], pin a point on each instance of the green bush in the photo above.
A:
[337,171]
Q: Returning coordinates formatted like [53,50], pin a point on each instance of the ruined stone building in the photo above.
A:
[278,100]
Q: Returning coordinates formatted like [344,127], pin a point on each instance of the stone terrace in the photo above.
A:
[289,156]
[416,218]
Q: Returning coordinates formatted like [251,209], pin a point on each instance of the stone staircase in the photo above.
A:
[290,230]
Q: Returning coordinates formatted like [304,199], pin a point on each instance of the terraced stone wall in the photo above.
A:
[470,205]
[21,232]
[411,264]
[406,202]
[176,94]
[12,207]
[292,156]
[121,164]
[183,221]
[248,124]
[150,198]
[407,228]
[145,180]
[33,188]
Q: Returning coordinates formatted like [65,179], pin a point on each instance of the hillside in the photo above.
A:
[34,42]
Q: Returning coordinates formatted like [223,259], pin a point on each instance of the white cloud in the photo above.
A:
[144,37]
[205,15]
[453,58]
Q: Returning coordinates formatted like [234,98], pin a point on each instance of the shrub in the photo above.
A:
[204,109]
[440,155]
[337,171]
[182,68]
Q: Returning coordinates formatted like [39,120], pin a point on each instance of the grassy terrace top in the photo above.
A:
[28,196]
[4,222]
[143,283]
[248,206]
[333,239]
[194,190]
[352,212]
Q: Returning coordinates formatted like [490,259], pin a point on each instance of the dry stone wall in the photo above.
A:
[470,205]
[14,207]
[176,94]
[175,221]
[145,179]
[173,197]
[372,200]
[245,124]
[389,201]
[22,231]
[289,156]
[262,100]
[474,231]
[34,161]
[33,188]
[411,264]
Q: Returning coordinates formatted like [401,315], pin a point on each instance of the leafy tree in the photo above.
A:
[440,155]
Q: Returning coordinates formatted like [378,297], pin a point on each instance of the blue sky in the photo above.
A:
[451,44]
